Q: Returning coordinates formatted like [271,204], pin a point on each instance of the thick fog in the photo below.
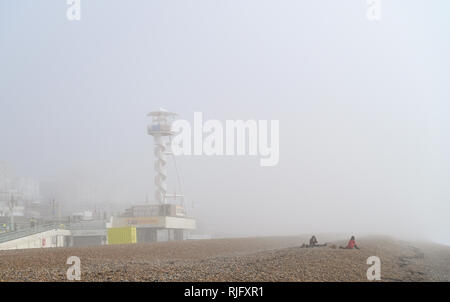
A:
[363,109]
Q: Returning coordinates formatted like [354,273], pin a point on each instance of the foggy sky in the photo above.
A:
[363,108]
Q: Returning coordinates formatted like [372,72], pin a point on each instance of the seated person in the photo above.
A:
[313,243]
[351,244]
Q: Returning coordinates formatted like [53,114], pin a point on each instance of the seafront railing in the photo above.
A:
[4,237]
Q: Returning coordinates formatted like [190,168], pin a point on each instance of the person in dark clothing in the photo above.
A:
[313,243]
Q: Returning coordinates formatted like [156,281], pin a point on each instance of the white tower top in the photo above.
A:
[161,122]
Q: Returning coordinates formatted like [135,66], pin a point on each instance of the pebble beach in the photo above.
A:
[270,259]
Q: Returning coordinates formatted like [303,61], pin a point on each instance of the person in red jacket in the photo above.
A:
[351,244]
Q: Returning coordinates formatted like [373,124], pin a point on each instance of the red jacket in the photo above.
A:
[351,244]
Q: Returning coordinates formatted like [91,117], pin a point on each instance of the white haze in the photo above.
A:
[363,108]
